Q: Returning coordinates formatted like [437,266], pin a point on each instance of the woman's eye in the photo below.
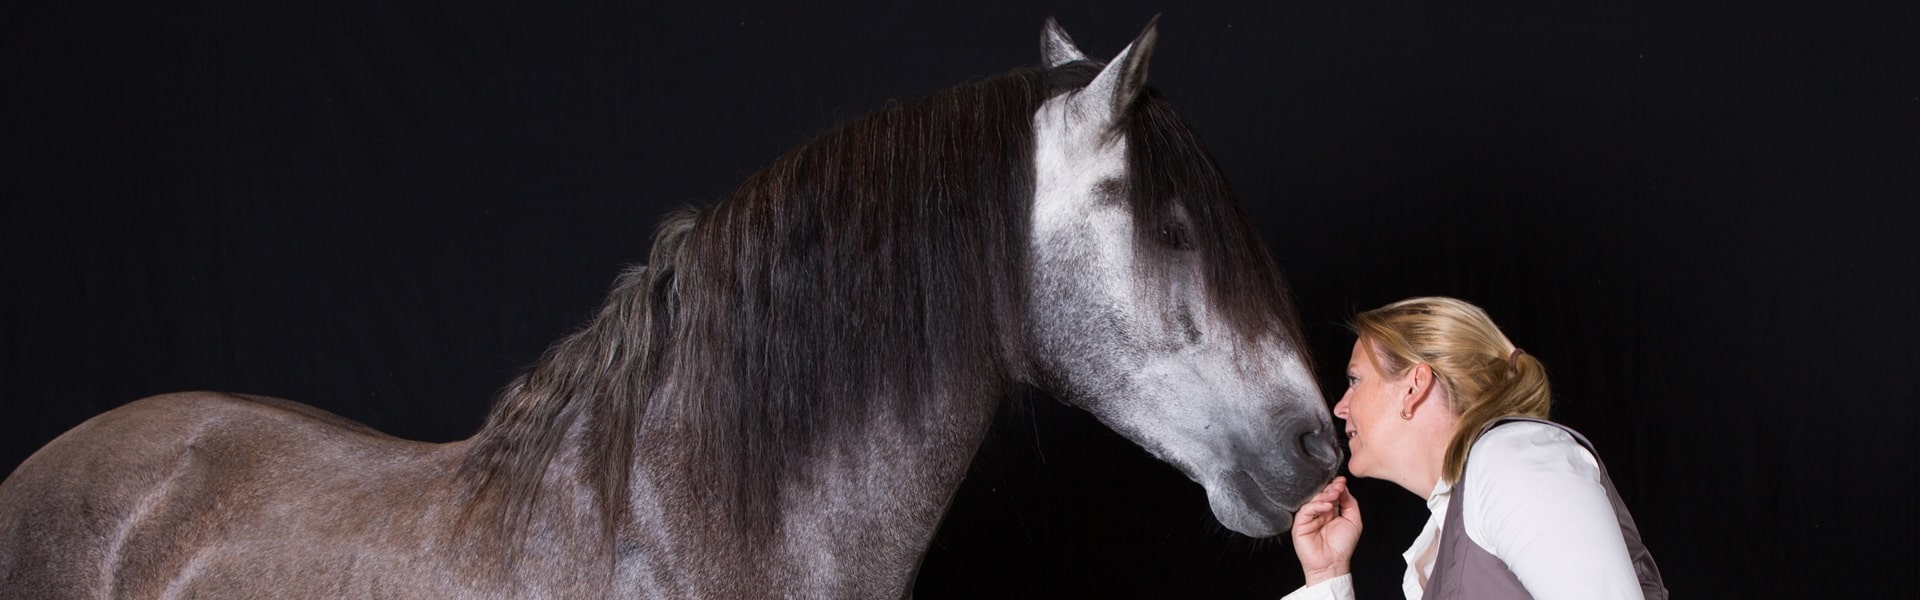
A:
[1352,381]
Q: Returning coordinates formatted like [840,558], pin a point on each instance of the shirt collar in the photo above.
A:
[1436,501]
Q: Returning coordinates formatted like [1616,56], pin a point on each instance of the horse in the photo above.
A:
[781,401]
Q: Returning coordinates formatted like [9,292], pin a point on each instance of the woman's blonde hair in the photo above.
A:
[1485,376]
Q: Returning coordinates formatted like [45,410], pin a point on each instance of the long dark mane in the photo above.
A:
[877,272]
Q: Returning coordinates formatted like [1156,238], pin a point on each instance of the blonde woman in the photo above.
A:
[1441,403]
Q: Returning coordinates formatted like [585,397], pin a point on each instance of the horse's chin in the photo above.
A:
[1252,524]
[1241,504]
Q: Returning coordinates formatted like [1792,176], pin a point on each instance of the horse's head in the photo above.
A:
[1156,307]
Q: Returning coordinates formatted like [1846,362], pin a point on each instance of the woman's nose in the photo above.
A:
[1340,408]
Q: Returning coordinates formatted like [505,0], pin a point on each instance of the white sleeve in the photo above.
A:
[1338,588]
[1535,500]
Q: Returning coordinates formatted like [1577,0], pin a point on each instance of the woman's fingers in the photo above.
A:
[1311,517]
[1334,489]
[1323,507]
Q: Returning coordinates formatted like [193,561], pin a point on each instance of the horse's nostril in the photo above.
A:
[1321,446]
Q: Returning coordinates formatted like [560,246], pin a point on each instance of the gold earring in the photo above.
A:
[1406,414]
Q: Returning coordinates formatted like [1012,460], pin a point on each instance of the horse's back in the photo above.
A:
[127,502]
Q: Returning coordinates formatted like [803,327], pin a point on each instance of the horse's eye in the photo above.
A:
[1175,236]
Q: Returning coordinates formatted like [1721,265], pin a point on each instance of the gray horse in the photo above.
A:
[782,403]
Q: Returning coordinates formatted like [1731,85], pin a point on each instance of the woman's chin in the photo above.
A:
[1358,469]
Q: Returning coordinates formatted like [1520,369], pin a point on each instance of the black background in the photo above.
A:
[1699,215]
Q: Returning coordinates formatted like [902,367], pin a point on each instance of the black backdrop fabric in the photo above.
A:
[1698,214]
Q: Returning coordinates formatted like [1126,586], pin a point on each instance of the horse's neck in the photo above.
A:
[855,523]
[880,505]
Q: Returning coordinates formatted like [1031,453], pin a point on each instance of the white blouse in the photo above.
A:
[1535,501]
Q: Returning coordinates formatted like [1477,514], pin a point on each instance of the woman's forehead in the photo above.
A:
[1360,359]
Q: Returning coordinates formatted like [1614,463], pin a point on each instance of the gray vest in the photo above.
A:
[1464,570]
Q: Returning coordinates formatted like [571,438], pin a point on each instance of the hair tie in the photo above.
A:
[1513,360]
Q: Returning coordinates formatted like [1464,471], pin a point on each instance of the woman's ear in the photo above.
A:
[1419,387]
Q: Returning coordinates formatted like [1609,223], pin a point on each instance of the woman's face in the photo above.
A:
[1371,408]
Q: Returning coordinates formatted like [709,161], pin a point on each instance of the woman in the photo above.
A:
[1432,383]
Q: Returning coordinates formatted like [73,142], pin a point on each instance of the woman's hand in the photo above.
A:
[1325,531]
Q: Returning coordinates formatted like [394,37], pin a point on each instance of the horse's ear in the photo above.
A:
[1123,78]
[1056,47]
